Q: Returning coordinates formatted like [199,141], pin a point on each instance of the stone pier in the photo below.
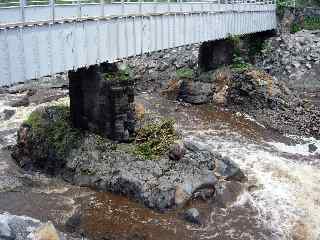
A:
[214,54]
[102,101]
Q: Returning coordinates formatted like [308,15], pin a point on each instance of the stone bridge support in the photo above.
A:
[104,106]
[214,54]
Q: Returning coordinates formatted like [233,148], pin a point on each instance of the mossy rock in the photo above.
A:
[47,137]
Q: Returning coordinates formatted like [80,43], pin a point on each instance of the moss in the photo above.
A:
[53,128]
[185,73]
[120,75]
[239,65]
[154,139]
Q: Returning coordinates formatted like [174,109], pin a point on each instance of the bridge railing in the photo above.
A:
[28,12]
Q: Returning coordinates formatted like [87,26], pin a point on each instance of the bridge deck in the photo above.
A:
[42,44]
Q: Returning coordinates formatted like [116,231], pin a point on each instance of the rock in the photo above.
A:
[192,215]
[220,96]
[5,232]
[7,114]
[300,50]
[254,89]
[183,193]
[14,227]
[23,102]
[46,232]
[227,192]
[89,160]
[176,152]
[228,169]
[312,148]
[195,92]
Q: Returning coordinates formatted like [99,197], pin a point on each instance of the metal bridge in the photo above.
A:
[42,37]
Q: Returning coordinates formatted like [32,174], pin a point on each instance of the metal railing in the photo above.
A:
[25,3]
[28,12]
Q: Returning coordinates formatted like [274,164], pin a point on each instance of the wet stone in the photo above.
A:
[228,169]
[192,215]
[312,148]
[7,114]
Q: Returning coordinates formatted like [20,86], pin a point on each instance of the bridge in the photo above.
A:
[43,37]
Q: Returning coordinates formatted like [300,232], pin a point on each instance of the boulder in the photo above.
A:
[312,148]
[6,114]
[176,152]
[228,169]
[192,215]
[195,92]
[183,193]
[46,232]
[14,227]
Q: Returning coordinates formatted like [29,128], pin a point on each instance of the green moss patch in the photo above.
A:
[154,139]
[121,75]
[52,127]
[185,73]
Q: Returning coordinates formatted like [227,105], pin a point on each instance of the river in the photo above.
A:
[281,201]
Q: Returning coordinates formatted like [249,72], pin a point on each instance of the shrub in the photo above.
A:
[154,139]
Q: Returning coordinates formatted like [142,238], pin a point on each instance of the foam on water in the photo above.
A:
[301,149]
[21,114]
[287,195]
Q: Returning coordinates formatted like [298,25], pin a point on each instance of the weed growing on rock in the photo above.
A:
[154,139]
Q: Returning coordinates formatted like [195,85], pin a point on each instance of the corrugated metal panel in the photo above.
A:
[34,50]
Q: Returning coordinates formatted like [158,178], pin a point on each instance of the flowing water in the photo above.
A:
[282,200]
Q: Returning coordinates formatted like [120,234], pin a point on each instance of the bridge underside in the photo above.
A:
[36,50]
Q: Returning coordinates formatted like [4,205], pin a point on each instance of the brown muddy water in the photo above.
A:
[284,183]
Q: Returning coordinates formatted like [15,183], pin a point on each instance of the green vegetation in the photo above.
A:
[155,139]
[239,64]
[309,23]
[121,75]
[312,23]
[185,73]
[57,133]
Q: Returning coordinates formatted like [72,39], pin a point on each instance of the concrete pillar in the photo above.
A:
[104,106]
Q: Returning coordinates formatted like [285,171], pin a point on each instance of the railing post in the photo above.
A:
[79,9]
[102,8]
[22,15]
[122,7]
[52,5]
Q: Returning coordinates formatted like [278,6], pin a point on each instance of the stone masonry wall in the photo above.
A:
[100,105]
